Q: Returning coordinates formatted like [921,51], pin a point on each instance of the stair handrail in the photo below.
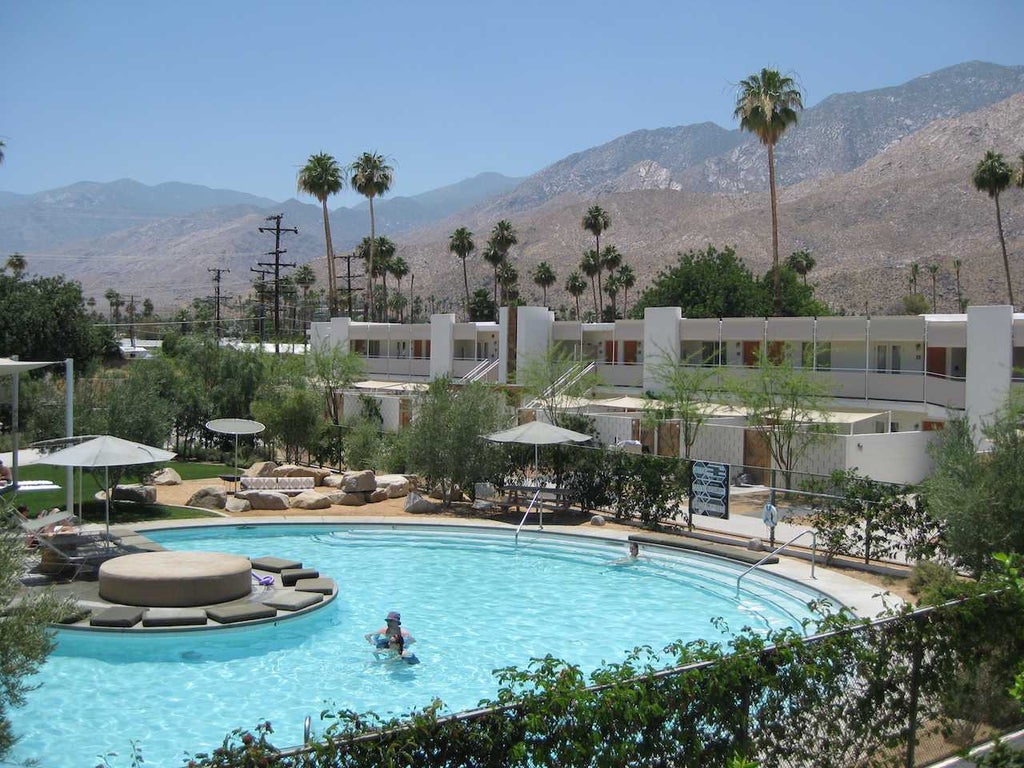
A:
[814,550]
[540,511]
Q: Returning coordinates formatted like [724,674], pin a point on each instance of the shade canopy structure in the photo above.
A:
[235,427]
[11,367]
[106,451]
[537,433]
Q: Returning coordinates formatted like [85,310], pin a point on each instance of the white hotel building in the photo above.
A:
[893,380]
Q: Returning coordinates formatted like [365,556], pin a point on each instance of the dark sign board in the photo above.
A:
[709,489]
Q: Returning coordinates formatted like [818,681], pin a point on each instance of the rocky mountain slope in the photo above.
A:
[872,182]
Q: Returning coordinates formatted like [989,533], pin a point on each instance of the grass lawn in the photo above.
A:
[93,511]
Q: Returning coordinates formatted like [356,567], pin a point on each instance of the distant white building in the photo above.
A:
[893,380]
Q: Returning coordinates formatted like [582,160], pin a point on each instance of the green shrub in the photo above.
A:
[361,442]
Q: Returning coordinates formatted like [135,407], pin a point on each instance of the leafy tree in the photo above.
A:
[371,177]
[992,176]
[292,415]
[444,442]
[25,635]
[766,105]
[482,307]
[544,276]
[331,370]
[591,267]
[16,263]
[576,286]
[801,262]
[551,380]
[461,244]
[684,388]
[707,283]
[596,220]
[139,408]
[786,406]
[979,497]
[322,177]
[915,304]
[45,319]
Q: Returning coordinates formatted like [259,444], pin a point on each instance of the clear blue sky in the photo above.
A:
[238,94]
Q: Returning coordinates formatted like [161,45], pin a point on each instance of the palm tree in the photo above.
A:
[992,176]
[957,264]
[508,278]
[114,300]
[385,250]
[591,266]
[16,263]
[801,262]
[610,261]
[461,244]
[495,258]
[627,279]
[371,176]
[915,272]
[596,220]
[322,177]
[2,145]
[398,268]
[611,287]
[503,237]
[576,286]
[933,270]
[544,276]
[766,105]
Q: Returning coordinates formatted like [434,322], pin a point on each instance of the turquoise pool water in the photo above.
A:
[472,599]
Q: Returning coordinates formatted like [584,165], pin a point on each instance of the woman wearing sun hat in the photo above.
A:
[393,626]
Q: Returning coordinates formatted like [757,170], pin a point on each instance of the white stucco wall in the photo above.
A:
[442,345]
[899,457]
[662,332]
[989,363]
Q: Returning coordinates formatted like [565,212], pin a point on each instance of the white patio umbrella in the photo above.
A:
[107,451]
[537,433]
[235,427]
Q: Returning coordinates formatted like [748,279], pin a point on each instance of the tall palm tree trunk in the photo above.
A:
[1002,244]
[597,309]
[577,307]
[495,284]
[776,277]
[373,257]
[465,282]
[332,301]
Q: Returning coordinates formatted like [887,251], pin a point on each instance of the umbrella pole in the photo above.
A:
[106,485]
[236,463]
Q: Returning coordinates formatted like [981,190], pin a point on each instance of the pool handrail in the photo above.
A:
[814,550]
[540,512]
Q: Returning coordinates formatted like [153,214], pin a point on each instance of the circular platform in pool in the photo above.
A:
[175,579]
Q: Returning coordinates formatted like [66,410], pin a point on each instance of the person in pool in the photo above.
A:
[392,626]
[396,650]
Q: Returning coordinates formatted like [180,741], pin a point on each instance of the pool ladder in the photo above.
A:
[307,730]
[814,550]
[540,511]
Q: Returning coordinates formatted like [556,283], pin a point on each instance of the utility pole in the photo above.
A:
[348,280]
[278,251]
[131,319]
[217,299]
[261,290]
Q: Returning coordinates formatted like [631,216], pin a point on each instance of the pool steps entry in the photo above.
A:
[814,552]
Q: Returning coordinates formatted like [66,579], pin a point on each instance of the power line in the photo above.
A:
[278,251]
[217,272]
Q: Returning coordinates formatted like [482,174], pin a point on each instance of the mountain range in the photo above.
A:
[870,183]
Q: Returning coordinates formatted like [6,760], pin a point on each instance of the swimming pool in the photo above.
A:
[473,600]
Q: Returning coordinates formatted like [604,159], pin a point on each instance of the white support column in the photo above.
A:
[442,345]
[989,363]
[662,339]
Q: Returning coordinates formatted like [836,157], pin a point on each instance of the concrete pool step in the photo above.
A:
[738,553]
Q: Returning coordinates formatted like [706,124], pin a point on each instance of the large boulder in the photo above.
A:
[333,480]
[381,494]
[261,469]
[397,486]
[265,499]
[310,500]
[360,482]
[414,503]
[237,506]
[210,497]
[346,499]
[141,494]
[165,476]
[294,470]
